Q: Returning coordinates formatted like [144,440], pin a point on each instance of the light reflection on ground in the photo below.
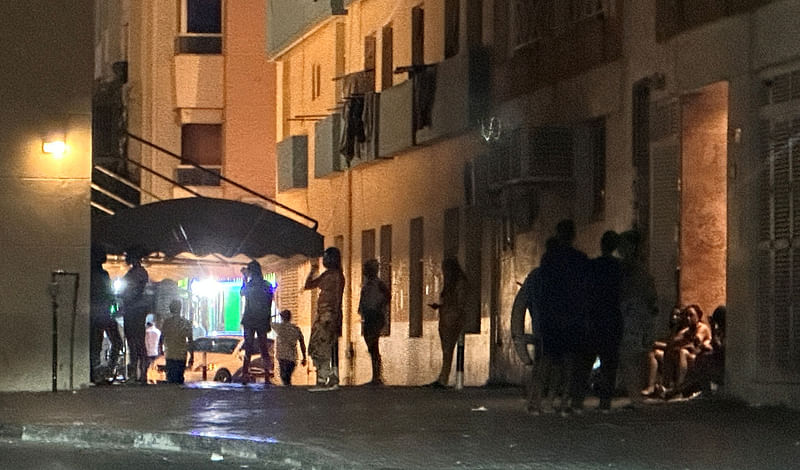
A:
[224,435]
[222,418]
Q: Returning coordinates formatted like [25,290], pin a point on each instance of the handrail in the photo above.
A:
[170,180]
[124,181]
[223,178]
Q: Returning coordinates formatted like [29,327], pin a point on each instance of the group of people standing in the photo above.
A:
[585,308]
[174,339]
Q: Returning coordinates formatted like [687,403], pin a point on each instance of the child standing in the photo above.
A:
[288,335]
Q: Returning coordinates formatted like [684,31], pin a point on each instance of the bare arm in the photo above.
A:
[312,281]
[303,347]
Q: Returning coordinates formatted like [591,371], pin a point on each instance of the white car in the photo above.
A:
[217,357]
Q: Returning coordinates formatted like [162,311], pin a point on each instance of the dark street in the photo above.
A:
[363,427]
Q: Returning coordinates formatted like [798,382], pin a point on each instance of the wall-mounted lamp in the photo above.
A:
[56,148]
[54,144]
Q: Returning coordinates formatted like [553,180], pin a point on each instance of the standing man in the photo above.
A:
[288,335]
[257,317]
[101,298]
[327,324]
[563,271]
[152,338]
[135,306]
[375,298]
[602,326]
[176,341]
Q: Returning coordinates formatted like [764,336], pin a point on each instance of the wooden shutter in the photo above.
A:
[387,57]
[778,340]
[417,35]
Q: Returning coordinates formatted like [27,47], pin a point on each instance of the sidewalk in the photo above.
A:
[404,428]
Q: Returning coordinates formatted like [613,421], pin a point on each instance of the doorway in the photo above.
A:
[703,197]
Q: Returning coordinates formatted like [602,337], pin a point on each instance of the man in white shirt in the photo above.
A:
[152,336]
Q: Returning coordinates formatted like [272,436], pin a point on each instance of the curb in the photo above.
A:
[281,455]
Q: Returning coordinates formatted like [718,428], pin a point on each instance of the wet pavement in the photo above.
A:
[405,428]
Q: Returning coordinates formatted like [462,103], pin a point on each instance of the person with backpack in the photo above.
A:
[256,320]
[375,298]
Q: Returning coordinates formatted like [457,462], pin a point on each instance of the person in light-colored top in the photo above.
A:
[288,335]
[152,337]
[176,342]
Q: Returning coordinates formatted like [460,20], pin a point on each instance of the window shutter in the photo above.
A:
[778,340]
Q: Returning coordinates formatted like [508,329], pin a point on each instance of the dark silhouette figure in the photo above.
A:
[452,318]
[135,307]
[375,298]
[602,328]
[562,305]
[101,298]
[256,320]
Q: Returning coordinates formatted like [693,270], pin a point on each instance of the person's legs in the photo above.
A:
[136,353]
[654,358]
[448,341]
[287,369]
[112,330]
[685,361]
[541,373]
[320,348]
[174,372]
[249,347]
[609,363]
[263,346]
[579,382]
[375,355]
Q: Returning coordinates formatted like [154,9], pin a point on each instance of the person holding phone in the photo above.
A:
[452,318]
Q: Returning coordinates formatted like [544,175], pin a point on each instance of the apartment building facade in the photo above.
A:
[677,118]
[416,130]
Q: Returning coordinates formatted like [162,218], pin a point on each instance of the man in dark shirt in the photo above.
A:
[562,305]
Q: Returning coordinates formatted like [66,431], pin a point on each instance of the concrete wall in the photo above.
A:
[46,71]
[249,84]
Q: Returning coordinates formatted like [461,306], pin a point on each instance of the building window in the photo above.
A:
[367,245]
[532,20]
[201,144]
[316,81]
[416,251]
[387,57]
[386,272]
[201,27]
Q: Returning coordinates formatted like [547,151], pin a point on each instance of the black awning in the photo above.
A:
[203,226]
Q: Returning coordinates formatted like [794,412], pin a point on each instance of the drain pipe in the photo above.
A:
[53,291]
